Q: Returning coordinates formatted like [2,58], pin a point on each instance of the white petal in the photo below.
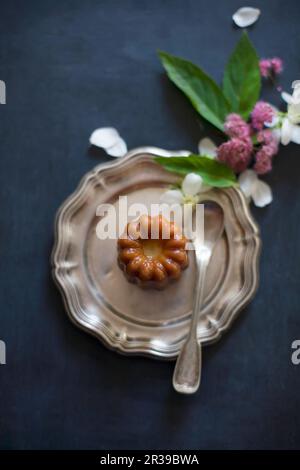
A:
[118,149]
[246,16]
[286,131]
[296,135]
[287,97]
[296,92]
[296,84]
[262,194]
[276,134]
[247,181]
[191,184]
[294,113]
[207,147]
[172,196]
[291,99]
[296,96]
[104,137]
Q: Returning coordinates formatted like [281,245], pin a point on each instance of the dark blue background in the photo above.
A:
[73,66]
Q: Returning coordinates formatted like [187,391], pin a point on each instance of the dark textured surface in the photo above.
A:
[72,66]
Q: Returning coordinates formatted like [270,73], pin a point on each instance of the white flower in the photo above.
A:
[191,186]
[246,16]
[110,140]
[290,131]
[255,188]
[207,147]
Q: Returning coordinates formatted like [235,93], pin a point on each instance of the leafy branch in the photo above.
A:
[241,83]
[213,172]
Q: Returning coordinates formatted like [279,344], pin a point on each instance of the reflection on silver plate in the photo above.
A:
[97,296]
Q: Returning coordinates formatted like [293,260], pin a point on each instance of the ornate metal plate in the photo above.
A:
[97,296]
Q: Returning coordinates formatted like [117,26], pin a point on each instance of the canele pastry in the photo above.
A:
[152,251]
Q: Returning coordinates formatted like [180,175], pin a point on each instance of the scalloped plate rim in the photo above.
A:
[122,346]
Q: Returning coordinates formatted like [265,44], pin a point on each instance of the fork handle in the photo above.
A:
[187,373]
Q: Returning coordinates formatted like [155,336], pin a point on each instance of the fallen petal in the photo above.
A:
[104,137]
[246,16]
[172,196]
[118,149]
[262,194]
[207,147]
[247,181]
[191,184]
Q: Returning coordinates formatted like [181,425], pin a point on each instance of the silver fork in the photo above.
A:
[187,373]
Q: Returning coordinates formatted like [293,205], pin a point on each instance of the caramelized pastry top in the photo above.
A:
[152,251]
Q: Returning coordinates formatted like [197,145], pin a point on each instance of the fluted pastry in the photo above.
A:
[152,251]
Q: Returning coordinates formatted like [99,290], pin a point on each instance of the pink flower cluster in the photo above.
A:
[265,154]
[236,153]
[235,126]
[262,113]
[270,67]
[239,150]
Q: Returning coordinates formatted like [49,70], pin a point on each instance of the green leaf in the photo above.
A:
[202,91]
[241,83]
[213,172]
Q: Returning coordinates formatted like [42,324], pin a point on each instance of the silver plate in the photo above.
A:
[97,296]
